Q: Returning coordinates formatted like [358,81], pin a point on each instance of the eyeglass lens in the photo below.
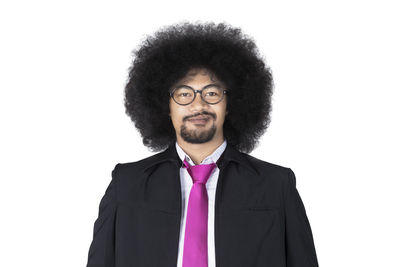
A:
[211,94]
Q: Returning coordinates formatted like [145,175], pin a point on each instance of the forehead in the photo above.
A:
[198,75]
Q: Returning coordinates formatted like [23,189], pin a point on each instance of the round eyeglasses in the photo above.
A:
[211,94]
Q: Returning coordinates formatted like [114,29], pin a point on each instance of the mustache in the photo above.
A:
[200,113]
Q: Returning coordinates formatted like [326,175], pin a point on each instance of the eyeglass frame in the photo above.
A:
[224,92]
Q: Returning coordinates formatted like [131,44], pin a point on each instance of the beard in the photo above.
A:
[198,136]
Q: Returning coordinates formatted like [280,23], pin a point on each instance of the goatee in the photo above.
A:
[197,136]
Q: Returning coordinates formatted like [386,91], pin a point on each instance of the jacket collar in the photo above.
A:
[230,154]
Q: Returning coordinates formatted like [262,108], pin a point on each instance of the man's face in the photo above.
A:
[198,122]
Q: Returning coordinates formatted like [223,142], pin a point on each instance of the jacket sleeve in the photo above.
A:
[300,250]
[101,251]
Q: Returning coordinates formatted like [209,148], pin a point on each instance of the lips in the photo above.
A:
[200,119]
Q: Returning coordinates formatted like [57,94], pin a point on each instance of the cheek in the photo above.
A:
[176,114]
[172,114]
[221,116]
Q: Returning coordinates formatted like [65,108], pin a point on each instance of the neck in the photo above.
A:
[198,152]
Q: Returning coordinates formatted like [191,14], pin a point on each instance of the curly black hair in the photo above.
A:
[168,55]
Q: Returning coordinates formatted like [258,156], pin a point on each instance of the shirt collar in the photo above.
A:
[231,154]
[209,159]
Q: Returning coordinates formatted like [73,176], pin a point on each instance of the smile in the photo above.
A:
[200,120]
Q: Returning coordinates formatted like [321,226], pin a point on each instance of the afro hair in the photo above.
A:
[168,55]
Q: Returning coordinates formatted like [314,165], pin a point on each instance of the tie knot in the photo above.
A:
[199,173]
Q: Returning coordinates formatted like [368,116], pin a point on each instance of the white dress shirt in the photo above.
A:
[186,186]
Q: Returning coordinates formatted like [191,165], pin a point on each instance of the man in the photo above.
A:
[202,94]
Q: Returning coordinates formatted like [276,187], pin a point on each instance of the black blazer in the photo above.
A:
[260,219]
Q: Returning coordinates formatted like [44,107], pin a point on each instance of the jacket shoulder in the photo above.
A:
[137,166]
[270,171]
[262,165]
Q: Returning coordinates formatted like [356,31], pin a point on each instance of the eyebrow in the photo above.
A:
[208,85]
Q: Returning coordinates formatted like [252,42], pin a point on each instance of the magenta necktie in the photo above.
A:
[195,253]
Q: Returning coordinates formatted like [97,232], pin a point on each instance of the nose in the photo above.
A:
[198,101]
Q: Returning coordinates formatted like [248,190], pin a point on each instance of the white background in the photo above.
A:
[335,119]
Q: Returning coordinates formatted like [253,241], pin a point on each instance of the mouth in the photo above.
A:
[200,119]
